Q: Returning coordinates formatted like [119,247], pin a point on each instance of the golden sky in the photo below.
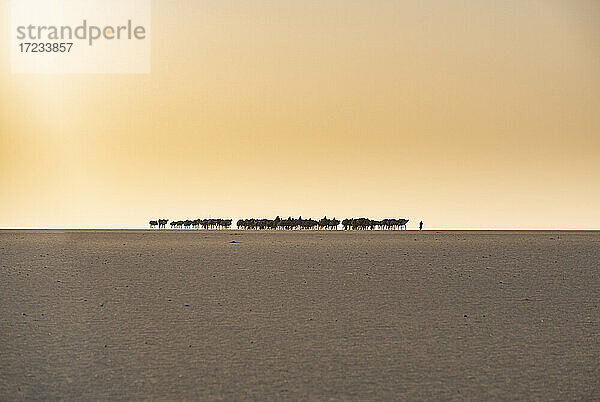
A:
[465,114]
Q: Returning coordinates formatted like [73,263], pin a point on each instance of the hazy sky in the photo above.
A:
[466,114]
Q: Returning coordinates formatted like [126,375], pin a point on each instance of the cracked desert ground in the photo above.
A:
[319,315]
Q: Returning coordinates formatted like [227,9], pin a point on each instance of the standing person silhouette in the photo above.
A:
[421,225]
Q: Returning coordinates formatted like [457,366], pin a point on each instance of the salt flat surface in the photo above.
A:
[299,315]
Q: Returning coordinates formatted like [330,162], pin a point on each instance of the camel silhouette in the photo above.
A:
[370,224]
[160,223]
[193,224]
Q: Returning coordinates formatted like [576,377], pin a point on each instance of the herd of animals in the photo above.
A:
[284,224]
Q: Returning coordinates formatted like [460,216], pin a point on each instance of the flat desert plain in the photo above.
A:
[299,315]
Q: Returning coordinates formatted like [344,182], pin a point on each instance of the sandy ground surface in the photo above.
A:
[299,315]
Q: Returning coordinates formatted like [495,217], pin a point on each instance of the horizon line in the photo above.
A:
[299,230]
